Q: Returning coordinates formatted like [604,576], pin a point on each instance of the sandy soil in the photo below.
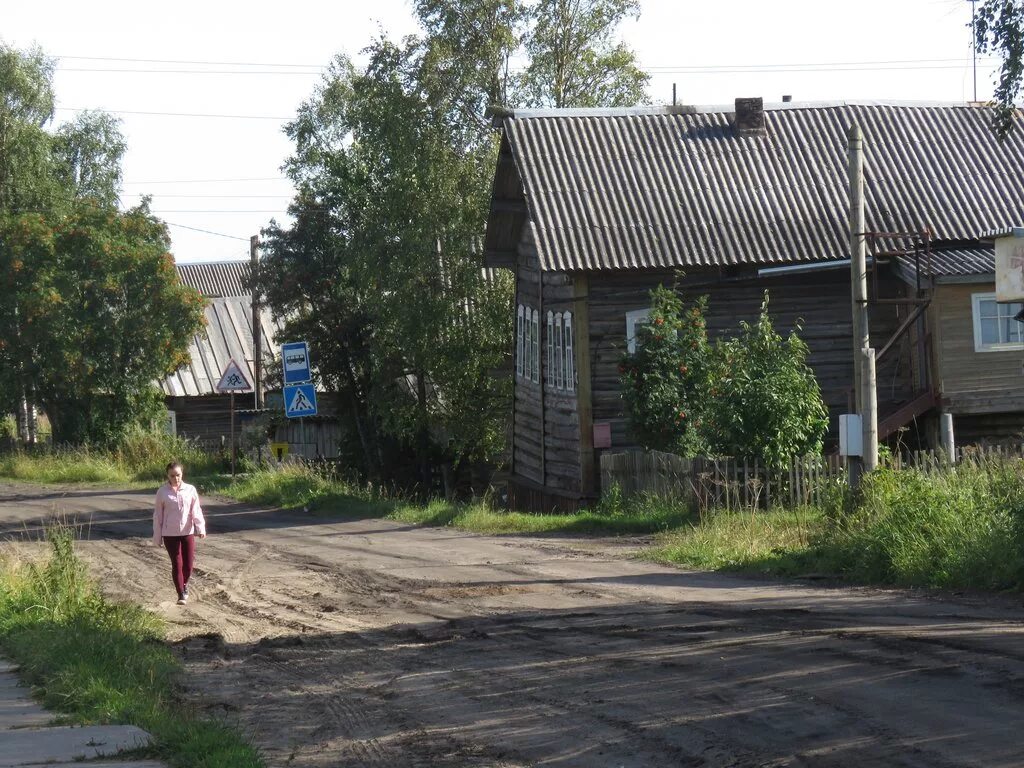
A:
[369,643]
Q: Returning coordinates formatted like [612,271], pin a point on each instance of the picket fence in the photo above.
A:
[730,483]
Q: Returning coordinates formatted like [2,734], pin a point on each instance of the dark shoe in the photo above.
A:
[185,593]
[183,600]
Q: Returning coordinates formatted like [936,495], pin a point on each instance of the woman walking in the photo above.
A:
[177,520]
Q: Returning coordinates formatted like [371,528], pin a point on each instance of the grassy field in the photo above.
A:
[102,662]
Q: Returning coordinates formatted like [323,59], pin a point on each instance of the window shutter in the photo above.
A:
[570,361]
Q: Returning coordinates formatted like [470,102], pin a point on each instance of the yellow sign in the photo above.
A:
[280,451]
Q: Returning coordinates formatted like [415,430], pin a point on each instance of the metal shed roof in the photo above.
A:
[227,333]
[216,278]
[677,187]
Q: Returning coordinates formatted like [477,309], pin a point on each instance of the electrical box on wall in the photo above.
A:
[851,435]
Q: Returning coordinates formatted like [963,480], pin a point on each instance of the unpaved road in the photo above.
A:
[368,643]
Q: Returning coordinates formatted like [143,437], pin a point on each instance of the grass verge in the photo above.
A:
[102,662]
[140,460]
[296,486]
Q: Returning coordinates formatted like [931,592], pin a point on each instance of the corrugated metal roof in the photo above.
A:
[216,278]
[226,335]
[660,189]
[951,263]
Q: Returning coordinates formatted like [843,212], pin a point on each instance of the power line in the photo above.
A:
[216,210]
[161,196]
[207,181]
[185,61]
[125,70]
[714,67]
[177,114]
[205,231]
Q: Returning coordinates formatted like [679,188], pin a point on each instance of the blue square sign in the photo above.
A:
[299,400]
[295,362]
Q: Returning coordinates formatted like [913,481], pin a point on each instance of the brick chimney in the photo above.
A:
[749,120]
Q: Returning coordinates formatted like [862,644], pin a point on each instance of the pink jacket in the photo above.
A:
[177,513]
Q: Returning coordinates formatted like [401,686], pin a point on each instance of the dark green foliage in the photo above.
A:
[665,382]
[1000,28]
[764,401]
[94,314]
[752,396]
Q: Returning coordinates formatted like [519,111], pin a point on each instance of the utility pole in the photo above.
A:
[869,418]
[257,340]
[858,289]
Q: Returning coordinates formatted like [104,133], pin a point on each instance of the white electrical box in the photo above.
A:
[851,435]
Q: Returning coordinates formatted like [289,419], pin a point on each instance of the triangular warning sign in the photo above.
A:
[233,379]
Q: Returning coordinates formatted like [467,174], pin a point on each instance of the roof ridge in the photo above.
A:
[700,109]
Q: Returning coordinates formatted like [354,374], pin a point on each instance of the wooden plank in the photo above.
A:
[584,401]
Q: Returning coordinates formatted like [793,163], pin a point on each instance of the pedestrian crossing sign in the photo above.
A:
[299,400]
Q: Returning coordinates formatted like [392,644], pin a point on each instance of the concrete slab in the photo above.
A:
[17,710]
[68,744]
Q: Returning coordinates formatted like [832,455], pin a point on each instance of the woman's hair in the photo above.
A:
[174,465]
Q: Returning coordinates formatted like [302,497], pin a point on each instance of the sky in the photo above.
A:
[204,89]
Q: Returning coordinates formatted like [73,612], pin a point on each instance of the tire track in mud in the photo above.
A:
[357,643]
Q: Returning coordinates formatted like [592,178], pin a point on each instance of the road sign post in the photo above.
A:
[299,392]
[295,363]
[232,380]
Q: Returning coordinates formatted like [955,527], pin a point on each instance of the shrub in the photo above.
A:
[764,400]
[664,381]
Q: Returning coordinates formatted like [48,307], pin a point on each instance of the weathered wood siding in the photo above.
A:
[971,382]
[545,424]
[819,302]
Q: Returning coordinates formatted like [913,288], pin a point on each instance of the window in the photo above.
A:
[535,348]
[570,362]
[634,320]
[994,326]
[551,350]
[520,347]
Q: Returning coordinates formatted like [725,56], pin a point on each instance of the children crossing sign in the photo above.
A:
[233,379]
[299,400]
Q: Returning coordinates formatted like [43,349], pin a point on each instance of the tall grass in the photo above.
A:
[102,662]
[962,526]
[140,458]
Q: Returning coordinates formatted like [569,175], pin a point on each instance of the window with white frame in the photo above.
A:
[634,320]
[994,327]
[561,367]
[527,343]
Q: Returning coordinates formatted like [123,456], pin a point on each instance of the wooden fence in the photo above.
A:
[722,482]
[730,483]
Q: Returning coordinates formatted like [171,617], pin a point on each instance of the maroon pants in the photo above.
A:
[182,550]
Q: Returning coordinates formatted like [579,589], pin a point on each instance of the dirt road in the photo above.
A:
[369,643]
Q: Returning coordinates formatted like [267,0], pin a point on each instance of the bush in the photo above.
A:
[961,527]
[664,382]
[764,399]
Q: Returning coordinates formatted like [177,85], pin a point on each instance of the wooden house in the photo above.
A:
[592,209]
